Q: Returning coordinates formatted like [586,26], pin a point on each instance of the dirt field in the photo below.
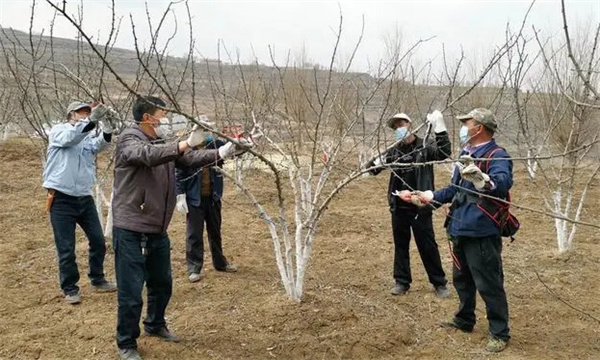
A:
[347,312]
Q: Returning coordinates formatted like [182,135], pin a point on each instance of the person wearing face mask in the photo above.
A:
[199,193]
[69,175]
[143,203]
[405,216]
[475,239]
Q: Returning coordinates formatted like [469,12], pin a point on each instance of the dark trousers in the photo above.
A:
[209,211]
[421,223]
[478,267]
[133,268]
[66,212]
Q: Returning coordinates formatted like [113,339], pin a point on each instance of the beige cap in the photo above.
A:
[398,116]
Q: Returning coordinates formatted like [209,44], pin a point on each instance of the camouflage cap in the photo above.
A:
[76,106]
[398,116]
[481,115]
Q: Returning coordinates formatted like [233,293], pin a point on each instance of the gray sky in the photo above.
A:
[249,27]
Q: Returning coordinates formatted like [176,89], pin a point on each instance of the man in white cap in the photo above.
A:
[69,176]
[407,216]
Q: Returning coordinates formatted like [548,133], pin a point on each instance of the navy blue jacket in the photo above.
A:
[189,179]
[467,219]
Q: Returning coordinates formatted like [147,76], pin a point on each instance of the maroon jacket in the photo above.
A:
[144,180]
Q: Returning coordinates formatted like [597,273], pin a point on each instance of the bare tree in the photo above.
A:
[313,122]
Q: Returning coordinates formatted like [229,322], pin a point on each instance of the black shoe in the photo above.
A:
[453,325]
[164,334]
[105,286]
[399,289]
[442,292]
[230,268]
[129,354]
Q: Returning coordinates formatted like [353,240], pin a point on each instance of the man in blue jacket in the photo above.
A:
[199,193]
[475,239]
[69,175]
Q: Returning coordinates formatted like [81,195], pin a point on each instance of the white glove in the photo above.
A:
[436,119]
[421,198]
[182,204]
[474,174]
[98,113]
[242,149]
[196,137]
[379,161]
[226,151]
[203,119]
[106,127]
[466,160]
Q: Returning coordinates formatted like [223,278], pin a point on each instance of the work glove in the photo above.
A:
[113,117]
[240,150]
[106,127]
[436,119]
[463,161]
[182,204]
[418,198]
[474,174]
[227,151]
[421,198]
[196,137]
[98,113]
[380,160]
[203,119]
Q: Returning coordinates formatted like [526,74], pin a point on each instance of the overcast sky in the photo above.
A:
[250,27]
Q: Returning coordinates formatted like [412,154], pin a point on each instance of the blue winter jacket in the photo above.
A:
[71,159]
[189,179]
[467,219]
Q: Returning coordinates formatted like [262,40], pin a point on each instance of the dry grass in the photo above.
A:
[347,311]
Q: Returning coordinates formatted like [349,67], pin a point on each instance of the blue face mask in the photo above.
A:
[401,133]
[208,138]
[463,135]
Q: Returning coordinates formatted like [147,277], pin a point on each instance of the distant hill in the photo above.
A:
[214,73]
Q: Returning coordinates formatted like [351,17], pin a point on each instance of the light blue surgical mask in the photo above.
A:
[208,138]
[401,133]
[463,135]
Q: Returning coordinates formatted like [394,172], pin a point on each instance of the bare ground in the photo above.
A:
[347,311]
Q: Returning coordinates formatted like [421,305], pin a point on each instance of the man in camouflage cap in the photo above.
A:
[483,117]
[475,240]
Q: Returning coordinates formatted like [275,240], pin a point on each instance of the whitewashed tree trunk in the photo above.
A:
[565,231]
[560,224]
[98,200]
[239,169]
[109,216]
[532,164]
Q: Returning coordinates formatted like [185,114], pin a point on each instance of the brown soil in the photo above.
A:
[347,310]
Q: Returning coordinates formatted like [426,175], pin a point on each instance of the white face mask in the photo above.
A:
[164,129]
[464,135]
[401,133]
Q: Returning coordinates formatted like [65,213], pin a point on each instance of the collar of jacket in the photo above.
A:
[417,142]
[480,150]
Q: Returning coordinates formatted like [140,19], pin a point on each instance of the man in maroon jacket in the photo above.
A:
[143,204]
